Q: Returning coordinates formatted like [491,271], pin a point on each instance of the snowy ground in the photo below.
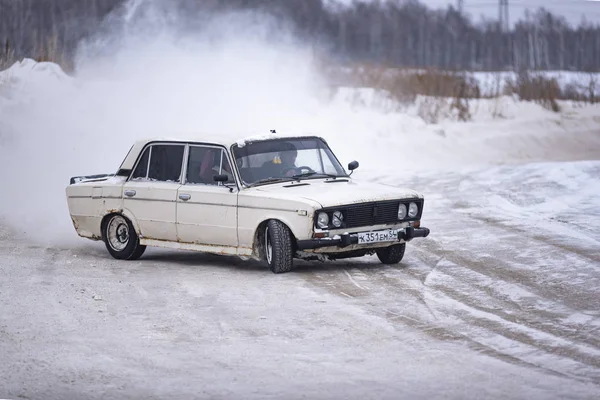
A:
[501,301]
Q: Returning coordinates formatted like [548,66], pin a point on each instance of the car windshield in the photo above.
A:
[277,160]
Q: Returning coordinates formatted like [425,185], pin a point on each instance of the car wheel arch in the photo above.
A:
[259,232]
[124,213]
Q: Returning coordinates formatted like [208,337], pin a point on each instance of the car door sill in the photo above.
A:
[229,250]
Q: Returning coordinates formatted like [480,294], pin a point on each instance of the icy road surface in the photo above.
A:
[501,301]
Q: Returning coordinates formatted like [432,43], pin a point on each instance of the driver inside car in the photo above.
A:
[284,163]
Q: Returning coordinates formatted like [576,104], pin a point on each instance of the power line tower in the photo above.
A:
[503,16]
[460,6]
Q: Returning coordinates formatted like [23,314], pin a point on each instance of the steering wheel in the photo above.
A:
[297,170]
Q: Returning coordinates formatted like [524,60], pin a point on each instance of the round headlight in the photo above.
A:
[413,210]
[402,211]
[322,220]
[337,219]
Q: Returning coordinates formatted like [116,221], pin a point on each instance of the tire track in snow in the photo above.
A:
[518,306]
[549,241]
[479,296]
[505,273]
[535,278]
[400,299]
[352,280]
[495,307]
[457,301]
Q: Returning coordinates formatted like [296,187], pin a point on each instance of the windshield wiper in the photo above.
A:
[269,180]
[313,173]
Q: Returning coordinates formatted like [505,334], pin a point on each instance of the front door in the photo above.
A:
[206,209]
[151,193]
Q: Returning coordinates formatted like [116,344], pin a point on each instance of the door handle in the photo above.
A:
[185,196]
[130,193]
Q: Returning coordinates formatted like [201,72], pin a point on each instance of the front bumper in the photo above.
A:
[347,239]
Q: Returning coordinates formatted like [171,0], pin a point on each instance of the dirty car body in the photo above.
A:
[273,199]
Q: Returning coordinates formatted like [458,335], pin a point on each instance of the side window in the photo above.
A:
[142,168]
[226,168]
[165,163]
[206,162]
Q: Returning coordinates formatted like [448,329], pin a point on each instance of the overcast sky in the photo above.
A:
[572,10]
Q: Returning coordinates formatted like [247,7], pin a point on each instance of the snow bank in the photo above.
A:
[28,72]
[502,130]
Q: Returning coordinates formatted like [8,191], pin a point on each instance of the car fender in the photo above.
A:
[129,215]
[299,226]
[290,221]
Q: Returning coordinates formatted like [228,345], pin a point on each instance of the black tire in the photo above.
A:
[120,238]
[278,247]
[392,254]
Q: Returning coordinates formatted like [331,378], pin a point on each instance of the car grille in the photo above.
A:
[375,213]
[371,214]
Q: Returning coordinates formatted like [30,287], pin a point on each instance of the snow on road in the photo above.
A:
[518,267]
[501,301]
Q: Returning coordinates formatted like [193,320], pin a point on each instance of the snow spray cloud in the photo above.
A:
[149,72]
[144,76]
[153,71]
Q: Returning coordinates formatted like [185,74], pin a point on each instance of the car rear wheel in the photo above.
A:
[120,238]
[278,247]
[392,254]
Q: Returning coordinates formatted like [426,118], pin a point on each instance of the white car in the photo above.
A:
[272,199]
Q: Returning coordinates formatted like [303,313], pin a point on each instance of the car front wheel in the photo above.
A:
[120,238]
[278,247]
[392,254]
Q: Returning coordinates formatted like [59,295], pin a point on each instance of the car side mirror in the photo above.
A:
[221,178]
[352,166]
[224,179]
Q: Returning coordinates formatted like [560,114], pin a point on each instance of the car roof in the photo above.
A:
[223,140]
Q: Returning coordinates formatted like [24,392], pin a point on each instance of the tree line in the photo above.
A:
[394,33]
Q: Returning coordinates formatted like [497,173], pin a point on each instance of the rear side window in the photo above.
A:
[165,163]
[160,163]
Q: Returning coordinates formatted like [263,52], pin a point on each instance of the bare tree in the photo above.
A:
[397,33]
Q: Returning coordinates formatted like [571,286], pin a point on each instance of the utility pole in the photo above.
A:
[460,6]
[505,28]
[503,16]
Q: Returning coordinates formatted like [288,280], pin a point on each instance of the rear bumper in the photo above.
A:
[347,239]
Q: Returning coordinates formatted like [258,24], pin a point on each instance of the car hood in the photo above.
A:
[331,192]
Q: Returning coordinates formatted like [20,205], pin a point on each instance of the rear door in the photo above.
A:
[206,209]
[151,192]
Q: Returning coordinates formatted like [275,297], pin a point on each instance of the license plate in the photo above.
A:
[388,235]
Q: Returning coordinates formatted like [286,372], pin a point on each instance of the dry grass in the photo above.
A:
[536,87]
[591,88]
[7,55]
[582,92]
[442,94]
[50,49]
[434,87]
[406,84]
